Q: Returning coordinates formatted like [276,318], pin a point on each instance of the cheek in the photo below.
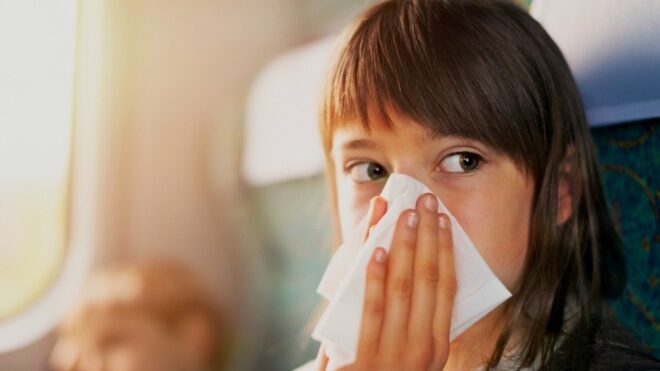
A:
[352,205]
[497,221]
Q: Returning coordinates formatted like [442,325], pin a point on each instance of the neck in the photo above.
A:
[474,347]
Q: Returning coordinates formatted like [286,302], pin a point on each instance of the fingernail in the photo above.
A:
[430,203]
[412,219]
[380,255]
[443,221]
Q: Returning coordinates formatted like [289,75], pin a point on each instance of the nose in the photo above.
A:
[413,170]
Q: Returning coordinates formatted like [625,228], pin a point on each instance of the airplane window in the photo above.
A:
[36,94]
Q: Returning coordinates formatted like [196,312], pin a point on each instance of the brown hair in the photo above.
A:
[486,70]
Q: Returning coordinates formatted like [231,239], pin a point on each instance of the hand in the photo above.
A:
[409,295]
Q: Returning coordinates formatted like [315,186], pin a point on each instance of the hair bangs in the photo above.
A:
[435,69]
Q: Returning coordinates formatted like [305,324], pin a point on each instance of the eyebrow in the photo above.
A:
[359,144]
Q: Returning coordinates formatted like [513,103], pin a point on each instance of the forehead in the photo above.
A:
[356,136]
[395,128]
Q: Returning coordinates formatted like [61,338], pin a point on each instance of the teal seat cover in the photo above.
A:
[629,157]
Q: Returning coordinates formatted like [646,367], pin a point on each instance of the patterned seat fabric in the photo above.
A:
[629,156]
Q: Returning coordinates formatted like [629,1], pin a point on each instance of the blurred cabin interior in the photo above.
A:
[185,131]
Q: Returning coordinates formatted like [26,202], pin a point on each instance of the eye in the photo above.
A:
[364,172]
[461,162]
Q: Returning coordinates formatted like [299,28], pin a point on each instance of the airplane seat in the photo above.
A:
[613,50]
[629,157]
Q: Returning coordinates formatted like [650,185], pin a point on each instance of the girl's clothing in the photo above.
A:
[610,348]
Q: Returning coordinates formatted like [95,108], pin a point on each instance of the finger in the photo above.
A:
[399,282]
[446,290]
[377,209]
[322,360]
[374,304]
[425,276]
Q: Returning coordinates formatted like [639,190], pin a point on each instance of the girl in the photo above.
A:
[473,99]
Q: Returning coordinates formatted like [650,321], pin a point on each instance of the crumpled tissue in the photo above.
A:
[343,284]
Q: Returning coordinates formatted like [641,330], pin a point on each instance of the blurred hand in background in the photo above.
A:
[141,317]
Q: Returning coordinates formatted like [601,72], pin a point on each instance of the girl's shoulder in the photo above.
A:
[601,344]
[614,348]
[621,358]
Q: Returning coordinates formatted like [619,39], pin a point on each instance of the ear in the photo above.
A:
[565,191]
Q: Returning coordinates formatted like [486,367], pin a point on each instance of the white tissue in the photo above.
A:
[479,291]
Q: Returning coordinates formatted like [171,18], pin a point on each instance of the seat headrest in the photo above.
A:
[282,139]
[613,49]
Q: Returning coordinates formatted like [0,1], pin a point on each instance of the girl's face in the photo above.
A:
[489,196]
